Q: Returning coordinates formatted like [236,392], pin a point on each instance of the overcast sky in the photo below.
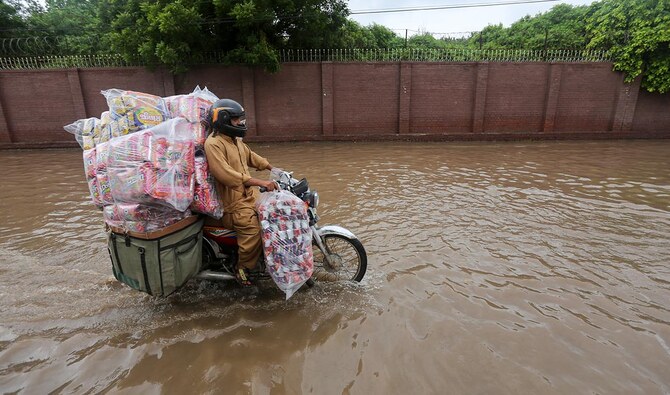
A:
[448,20]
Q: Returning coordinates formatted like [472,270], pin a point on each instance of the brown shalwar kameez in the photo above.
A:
[229,160]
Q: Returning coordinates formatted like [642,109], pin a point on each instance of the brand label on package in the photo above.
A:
[149,116]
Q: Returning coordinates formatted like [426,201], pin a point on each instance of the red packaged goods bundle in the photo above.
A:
[287,239]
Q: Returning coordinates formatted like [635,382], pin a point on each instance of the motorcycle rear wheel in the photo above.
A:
[349,256]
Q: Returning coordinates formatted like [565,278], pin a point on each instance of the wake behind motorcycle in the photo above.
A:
[338,253]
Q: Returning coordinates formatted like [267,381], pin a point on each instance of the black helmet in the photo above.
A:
[220,114]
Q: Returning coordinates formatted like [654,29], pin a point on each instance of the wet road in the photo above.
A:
[493,268]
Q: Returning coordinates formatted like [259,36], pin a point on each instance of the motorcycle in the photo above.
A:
[338,253]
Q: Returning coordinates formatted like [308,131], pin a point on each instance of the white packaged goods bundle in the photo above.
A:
[287,239]
[144,161]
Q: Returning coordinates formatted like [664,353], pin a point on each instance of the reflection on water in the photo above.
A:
[493,267]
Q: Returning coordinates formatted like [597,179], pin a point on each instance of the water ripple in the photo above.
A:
[545,263]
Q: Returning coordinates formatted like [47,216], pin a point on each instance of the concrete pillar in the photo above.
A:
[327,99]
[479,107]
[551,101]
[249,100]
[404,97]
[168,82]
[76,94]
[625,106]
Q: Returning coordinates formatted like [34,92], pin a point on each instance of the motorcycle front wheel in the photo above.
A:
[349,260]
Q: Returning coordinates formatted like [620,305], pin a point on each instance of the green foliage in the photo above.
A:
[248,32]
[425,41]
[563,27]
[10,19]
[14,25]
[637,32]
[74,22]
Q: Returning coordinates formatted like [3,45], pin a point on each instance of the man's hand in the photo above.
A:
[270,186]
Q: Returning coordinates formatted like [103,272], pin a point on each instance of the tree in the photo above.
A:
[425,41]
[70,26]
[247,32]
[158,32]
[563,27]
[637,33]
[385,37]
[10,20]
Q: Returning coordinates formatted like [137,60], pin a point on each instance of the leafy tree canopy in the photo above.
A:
[563,27]
[10,19]
[637,32]
[245,31]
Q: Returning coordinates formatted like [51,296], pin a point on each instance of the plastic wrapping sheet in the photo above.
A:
[147,110]
[193,107]
[84,131]
[190,106]
[141,218]
[287,239]
[199,134]
[135,154]
[152,166]
[205,199]
[91,171]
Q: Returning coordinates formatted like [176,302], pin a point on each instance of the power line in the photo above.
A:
[445,7]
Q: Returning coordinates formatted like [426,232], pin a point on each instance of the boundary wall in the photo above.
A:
[359,101]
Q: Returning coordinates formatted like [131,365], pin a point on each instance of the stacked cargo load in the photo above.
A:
[146,170]
[144,159]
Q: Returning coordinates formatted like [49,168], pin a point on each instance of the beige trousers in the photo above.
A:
[245,223]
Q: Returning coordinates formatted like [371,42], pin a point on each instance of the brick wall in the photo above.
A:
[348,101]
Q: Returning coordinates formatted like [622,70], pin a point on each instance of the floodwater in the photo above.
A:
[493,268]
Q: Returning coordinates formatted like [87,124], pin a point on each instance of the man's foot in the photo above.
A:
[242,277]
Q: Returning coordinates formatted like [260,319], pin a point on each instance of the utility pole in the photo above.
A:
[405,38]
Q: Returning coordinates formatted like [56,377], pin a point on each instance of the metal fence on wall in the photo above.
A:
[326,55]
[441,55]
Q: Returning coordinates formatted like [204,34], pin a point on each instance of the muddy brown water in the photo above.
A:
[493,268]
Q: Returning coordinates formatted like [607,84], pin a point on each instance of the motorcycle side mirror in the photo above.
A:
[301,187]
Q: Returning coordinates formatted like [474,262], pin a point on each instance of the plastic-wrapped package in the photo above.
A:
[104,187]
[90,162]
[91,171]
[205,198]
[287,239]
[134,154]
[84,131]
[94,190]
[132,183]
[190,106]
[194,108]
[199,134]
[152,166]
[141,218]
[143,109]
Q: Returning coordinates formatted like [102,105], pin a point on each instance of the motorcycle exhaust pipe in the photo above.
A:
[215,276]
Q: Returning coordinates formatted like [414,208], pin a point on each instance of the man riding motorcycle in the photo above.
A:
[229,160]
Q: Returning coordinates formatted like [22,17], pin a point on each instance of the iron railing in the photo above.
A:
[442,55]
[325,55]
